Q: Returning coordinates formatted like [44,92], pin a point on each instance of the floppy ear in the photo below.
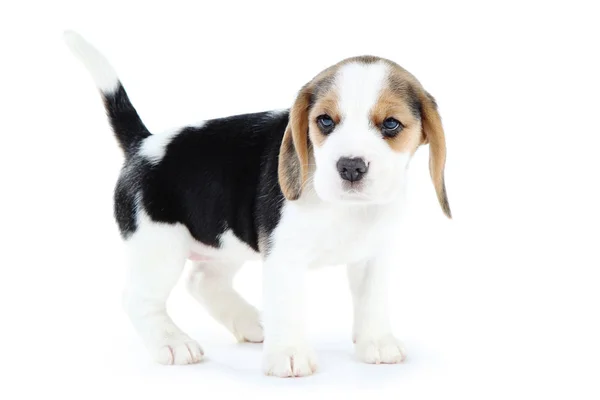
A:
[293,154]
[434,135]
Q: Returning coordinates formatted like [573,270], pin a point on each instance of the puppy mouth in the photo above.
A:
[355,192]
[356,186]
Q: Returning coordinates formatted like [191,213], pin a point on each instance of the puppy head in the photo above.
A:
[361,121]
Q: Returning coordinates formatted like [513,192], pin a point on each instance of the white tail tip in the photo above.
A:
[98,66]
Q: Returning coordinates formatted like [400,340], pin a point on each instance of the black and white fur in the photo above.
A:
[210,193]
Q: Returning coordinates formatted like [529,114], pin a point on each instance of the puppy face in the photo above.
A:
[362,119]
[363,127]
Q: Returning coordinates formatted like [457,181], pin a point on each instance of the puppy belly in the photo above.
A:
[199,257]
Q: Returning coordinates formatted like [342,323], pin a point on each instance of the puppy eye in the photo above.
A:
[391,124]
[325,123]
[391,127]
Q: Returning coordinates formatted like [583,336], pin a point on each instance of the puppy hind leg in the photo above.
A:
[211,284]
[156,256]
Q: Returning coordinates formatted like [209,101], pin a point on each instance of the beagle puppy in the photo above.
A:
[320,183]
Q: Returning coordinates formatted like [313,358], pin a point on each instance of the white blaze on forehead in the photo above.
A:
[359,86]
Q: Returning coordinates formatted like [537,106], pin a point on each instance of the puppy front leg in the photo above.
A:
[373,338]
[286,351]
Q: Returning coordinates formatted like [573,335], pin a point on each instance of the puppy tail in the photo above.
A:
[124,119]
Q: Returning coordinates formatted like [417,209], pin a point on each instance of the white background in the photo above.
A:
[501,301]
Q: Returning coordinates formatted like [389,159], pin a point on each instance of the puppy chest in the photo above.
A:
[329,236]
[343,243]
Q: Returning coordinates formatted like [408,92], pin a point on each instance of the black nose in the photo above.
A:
[352,169]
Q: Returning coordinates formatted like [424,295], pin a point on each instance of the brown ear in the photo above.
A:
[434,135]
[293,154]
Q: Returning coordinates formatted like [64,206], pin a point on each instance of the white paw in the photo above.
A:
[246,327]
[384,350]
[178,351]
[290,361]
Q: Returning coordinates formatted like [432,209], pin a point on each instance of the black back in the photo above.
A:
[222,175]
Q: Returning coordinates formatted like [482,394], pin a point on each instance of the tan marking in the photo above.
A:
[392,105]
[294,152]
[327,104]
[434,133]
